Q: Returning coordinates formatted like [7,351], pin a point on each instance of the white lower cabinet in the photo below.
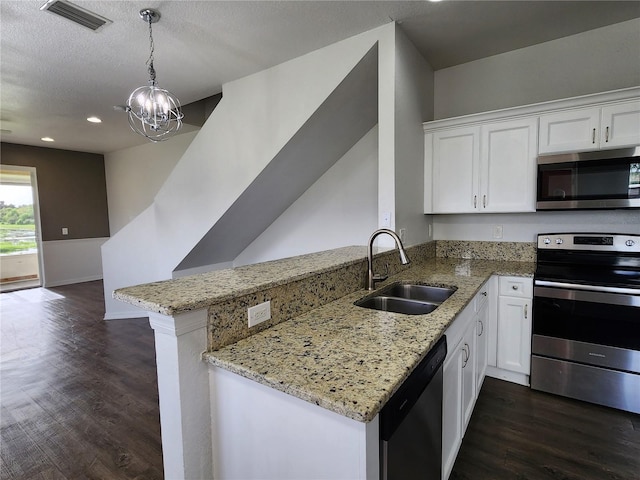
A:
[463,374]
[468,373]
[452,425]
[513,332]
[482,342]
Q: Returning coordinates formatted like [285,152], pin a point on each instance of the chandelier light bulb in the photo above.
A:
[153,112]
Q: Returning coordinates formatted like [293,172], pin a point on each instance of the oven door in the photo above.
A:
[586,344]
[597,326]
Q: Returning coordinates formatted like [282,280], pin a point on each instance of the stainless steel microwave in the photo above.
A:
[589,180]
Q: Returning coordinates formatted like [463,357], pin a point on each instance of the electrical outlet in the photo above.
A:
[65,231]
[403,235]
[430,230]
[259,313]
[497,231]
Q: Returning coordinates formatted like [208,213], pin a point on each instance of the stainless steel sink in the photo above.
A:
[397,305]
[407,298]
[423,293]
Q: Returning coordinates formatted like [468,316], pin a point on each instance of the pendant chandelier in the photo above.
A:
[154,112]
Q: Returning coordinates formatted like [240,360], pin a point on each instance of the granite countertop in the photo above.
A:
[349,359]
[171,297]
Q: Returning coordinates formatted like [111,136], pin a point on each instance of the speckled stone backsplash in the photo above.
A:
[505,251]
[228,320]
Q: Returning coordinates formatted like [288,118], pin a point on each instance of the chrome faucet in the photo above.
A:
[371,278]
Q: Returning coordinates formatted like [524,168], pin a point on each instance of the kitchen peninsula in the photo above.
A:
[319,354]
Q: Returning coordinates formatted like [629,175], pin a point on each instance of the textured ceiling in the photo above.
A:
[54,73]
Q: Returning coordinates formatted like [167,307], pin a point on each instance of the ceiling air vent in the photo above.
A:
[76,14]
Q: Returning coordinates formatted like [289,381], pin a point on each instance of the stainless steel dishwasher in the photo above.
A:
[411,423]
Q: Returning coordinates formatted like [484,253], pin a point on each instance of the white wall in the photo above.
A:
[71,261]
[523,227]
[346,205]
[413,105]
[134,176]
[255,119]
[599,60]
[340,209]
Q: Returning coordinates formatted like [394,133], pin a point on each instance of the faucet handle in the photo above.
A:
[382,277]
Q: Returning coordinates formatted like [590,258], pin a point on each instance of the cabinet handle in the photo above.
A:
[475,201]
[467,352]
[526,308]
[481,328]
[484,201]
[606,135]
[515,287]
[593,136]
[484,294]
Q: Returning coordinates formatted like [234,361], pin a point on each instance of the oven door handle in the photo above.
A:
[589,288]
[584,295]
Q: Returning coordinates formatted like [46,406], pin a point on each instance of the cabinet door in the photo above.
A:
[492,323]
[482,335]
[569,131]
[451,408]
[620,125]
[514,334]
[468,373]
[455,170]
[508,166]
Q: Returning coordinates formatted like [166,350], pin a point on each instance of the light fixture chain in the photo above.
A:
[152,71]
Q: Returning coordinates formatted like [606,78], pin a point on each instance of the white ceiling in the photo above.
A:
[55,73]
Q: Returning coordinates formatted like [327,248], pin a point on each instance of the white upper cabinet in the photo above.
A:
[620,125]
[486,162]
[569,131]
[486,168]
[508,166]
[599,127]
[455,160]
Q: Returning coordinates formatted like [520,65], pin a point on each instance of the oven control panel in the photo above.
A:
[590,241]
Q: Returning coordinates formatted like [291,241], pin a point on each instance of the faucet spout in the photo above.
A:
[404,259]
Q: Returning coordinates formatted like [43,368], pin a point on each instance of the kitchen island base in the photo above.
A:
[262,433]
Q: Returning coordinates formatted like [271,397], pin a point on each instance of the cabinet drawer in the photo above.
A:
[521,287]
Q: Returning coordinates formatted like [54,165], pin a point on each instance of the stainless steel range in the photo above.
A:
[586,318]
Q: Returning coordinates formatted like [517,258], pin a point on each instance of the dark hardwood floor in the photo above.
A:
[79,400]
[79,395]
[517,433]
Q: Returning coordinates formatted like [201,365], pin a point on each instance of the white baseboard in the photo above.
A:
[71,281]
[128,315]
[513,377]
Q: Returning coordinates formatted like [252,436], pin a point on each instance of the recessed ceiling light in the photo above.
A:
[94,120]
[47,139]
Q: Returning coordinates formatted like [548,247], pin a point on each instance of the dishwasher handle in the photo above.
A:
[399,405]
